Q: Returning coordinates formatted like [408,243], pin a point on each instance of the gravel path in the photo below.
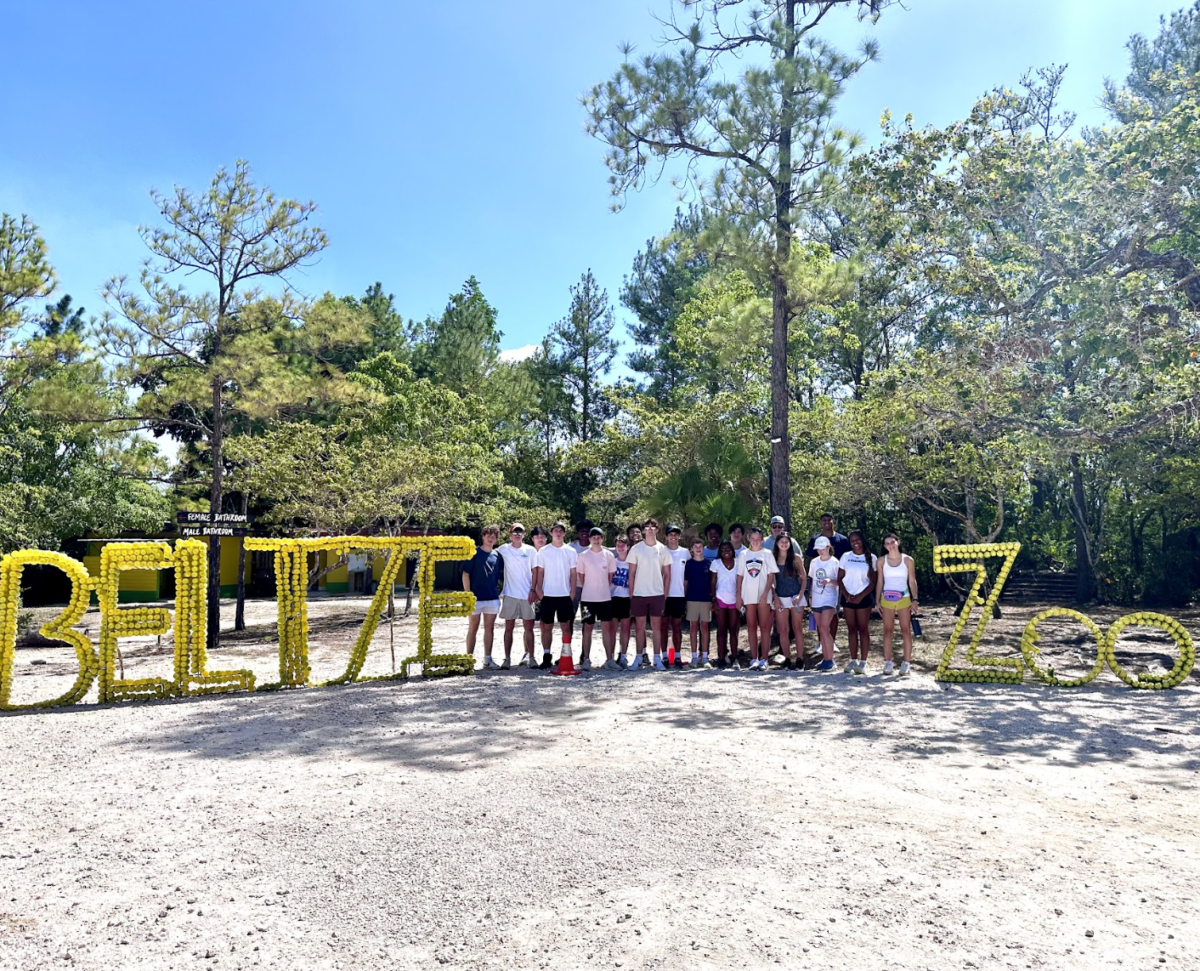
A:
[679,820]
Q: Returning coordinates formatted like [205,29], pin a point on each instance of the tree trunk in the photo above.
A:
[1084,588]
[215,498]
[780,485]
[239,618]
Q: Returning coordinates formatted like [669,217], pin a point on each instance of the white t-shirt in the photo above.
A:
[557,562]
[754,569]
[726,581]
[519,562]
[620,578]
[855,565]
[824,574]
[579,548]
[679,560]
[649,560]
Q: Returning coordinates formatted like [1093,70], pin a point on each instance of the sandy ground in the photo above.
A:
[696,819]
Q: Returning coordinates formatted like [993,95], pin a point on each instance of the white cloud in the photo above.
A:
[519,353]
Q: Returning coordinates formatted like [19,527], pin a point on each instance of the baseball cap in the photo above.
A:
[559,525]
[777,521]
[595,531]
[821,542]
[673,529]
[517,527]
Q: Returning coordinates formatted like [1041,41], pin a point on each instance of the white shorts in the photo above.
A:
[789,603]
[486,607]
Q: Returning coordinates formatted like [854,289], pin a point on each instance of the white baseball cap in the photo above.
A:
[821,542]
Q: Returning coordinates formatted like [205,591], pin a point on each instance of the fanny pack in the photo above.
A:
[894,596]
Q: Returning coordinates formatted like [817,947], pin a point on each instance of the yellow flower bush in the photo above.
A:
[60,628]
[988,669]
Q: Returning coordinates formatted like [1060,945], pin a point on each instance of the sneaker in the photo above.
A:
[850,668]
[623,661]
[658,663]
[505,665]
[678,663]
[489,664]
[887,668]
[704,662]
[904,669]
[526,661]
[778,660]
[826,665]
[547,662]
[634,664]
[611,665]
[646,659]
[862,668]
[734,666]
[585,664]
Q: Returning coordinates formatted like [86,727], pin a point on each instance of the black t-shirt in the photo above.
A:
[841,545]
[696,575]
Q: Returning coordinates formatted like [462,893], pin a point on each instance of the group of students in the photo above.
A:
[751,580]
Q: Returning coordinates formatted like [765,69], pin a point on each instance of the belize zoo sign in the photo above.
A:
[191,676]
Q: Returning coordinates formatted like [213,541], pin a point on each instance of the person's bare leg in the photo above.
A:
[889,632]
[825,628]
[528,638]
[864,635]
[693,640]
[547,637]
[625,626]
[587,642]
[509,627]
[639,635]
[782,625]
[704,637]
[798,633]
[677,635]
[489,634]
[608,636]
[656,631]
[765,618]
[722,634]
[906,638]
[472,630]
[752,632]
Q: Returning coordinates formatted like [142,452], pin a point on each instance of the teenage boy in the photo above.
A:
[649,578]
[582,540]
[620,597]
[595,572]
[676,606]
[557,591]
[698,593]
[713,533]
[519,598]
[481,575]
[587,619]
[737,536]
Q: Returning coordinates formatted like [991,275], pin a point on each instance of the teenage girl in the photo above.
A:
[789,599]
[896,593]
[724,597]
[823,572]
[756,582]
[856,574]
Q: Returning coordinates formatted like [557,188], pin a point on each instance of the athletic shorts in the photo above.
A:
[516,608]
[901,604]
[867,603]
[721,604]
[486,607]
[620,608]
[560,608]
[675,607]
[699,610]
[647,606]
[596,610]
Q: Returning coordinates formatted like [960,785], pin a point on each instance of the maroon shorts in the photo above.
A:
[646,606]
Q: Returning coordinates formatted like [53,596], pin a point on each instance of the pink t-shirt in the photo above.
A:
[594,570]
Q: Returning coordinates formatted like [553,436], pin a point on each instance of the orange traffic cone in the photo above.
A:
[566,666]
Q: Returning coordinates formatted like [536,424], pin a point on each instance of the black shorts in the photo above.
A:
[620,608]
[560,608]
[597,610]
[867,603]
[676,607]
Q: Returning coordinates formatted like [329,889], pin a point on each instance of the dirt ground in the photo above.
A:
[696,819]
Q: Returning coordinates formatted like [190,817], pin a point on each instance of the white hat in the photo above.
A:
[821,542]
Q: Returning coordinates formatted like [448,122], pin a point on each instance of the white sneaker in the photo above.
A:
[904,669]
[611,665]
[585,664]
[734,666]
[658,663]
[861,669]
[704,661]
[850,668]
[635,663]
[887,668]
[489,664]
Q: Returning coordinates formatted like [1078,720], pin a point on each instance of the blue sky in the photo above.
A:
[439,140]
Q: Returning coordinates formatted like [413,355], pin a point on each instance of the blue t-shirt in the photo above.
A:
[486,570]
[696,580]
[711,555]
